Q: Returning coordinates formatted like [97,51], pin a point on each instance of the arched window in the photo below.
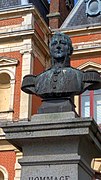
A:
[3,173]
[1,176]
[4,92]
[7,83]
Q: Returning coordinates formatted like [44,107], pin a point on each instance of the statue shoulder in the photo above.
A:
[91,76]
[28,84]
[74,71]
[44,74]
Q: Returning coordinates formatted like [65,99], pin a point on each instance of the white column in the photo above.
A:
[27,68]
[76,102]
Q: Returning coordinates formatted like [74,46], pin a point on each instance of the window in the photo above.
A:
[4,92]
[1,176]
[7,83]
[3,173]
[91,105]
[85,104]
[93,7]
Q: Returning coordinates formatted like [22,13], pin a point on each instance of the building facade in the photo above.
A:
[83,25]
[24,35]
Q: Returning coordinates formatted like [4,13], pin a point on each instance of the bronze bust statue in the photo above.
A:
[58,85]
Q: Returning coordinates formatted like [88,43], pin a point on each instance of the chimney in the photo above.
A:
[59,10]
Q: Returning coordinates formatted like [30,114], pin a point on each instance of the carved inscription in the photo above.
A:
[50,178]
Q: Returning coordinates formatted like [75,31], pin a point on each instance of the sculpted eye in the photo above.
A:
[53,43]
[63,42]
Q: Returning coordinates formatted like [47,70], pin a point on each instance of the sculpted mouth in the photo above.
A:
[59,51]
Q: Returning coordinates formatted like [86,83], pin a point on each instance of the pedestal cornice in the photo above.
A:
[52,125]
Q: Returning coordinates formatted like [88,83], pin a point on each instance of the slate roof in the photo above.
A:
[78,18]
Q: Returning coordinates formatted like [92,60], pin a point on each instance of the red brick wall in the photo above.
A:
[39,31]
[83,58]
[58,6]
[11,21]
[54,6]
[86,38]
[38,67]
[54,23]
[36,101]
[7,160]
[63,10]
[17,91]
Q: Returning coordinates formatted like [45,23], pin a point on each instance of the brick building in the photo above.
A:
[24,36]
[83,25]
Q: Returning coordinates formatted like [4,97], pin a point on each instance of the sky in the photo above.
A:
[74,1]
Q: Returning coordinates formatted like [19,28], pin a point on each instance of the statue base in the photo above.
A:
[55,146]
[57,105]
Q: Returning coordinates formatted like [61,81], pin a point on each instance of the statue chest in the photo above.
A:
[66,80]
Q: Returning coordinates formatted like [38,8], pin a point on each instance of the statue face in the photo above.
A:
[59,47]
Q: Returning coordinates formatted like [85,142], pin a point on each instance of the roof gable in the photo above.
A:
[90,66]
[4,61]
[78,17]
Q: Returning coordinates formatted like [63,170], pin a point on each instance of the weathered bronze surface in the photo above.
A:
[58,85]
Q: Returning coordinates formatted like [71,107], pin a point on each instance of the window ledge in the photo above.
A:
[9,111]
[6,115]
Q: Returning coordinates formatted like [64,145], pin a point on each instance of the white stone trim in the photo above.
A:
[27,68]
[87,46]
[17,165]
[4,171]
[7,62]
[27,19]
[90,66]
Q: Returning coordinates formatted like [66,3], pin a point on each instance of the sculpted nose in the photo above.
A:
[58,45]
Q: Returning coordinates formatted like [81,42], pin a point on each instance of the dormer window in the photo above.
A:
[93,7]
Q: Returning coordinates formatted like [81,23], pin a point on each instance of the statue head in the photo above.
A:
[61,48]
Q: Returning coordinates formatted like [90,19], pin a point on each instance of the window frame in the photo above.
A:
[4,172]
[8,66]
[91,98]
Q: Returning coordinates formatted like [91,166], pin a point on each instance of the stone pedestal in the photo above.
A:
[56,146]
[57,105]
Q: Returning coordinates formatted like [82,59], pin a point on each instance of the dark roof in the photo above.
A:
[42,6]
[78,17]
